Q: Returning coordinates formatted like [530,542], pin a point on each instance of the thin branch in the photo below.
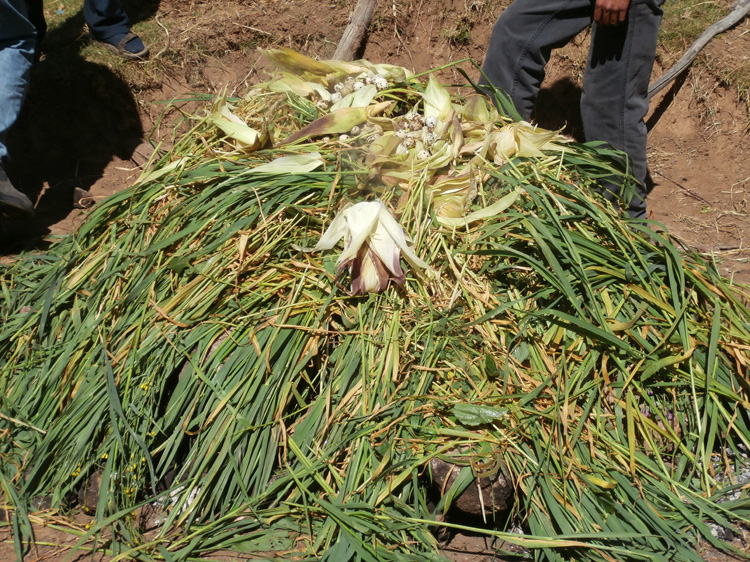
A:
[739,11]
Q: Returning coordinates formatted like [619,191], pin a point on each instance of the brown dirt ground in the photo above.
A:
[88,115]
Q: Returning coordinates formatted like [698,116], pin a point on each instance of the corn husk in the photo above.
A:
[234,127]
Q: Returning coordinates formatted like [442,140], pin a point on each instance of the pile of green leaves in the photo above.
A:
[181,350]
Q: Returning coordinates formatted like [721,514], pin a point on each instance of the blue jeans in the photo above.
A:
[17,43]
[615,84]
[106,19]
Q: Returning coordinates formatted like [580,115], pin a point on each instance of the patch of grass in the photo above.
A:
[702,86]
[736,77]
[66,43]
[685,20]
[252,42]
[460,34]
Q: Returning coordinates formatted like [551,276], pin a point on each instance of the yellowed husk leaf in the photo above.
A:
[293,164]
[488,212]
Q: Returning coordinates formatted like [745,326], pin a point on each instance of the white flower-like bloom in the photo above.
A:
[374,243]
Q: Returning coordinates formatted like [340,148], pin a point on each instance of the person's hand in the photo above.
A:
[610,12]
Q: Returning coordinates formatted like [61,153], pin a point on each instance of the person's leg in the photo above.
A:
[106,19]
[615,90]
[17,43]
[521,43]
[36,16]
[109,24]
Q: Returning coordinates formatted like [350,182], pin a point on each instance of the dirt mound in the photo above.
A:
[698,148]
[88,113]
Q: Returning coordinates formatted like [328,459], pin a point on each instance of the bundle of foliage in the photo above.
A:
[199,351]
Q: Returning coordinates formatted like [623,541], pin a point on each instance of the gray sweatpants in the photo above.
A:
[615,84]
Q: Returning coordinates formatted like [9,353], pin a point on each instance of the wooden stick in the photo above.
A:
[739,11]
[354,33]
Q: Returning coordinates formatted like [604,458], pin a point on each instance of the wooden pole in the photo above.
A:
[355,32]
[739,11]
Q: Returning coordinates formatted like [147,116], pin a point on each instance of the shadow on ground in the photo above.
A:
[558,107]
[78,115]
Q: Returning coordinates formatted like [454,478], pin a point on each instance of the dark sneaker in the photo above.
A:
[129,46]
[12,201]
